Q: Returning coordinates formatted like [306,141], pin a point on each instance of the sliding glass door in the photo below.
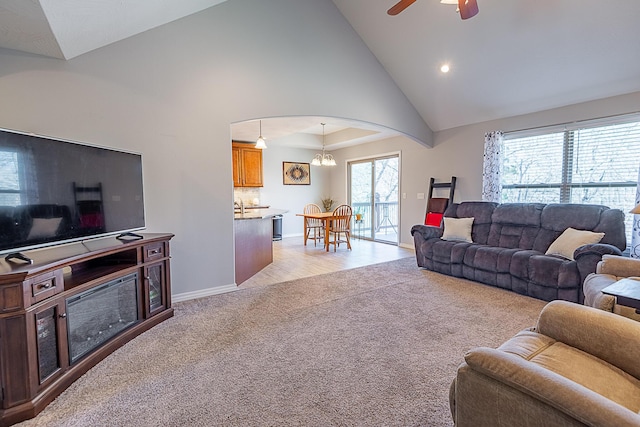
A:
[373,194]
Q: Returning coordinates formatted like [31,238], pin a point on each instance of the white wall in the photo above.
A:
[171,93]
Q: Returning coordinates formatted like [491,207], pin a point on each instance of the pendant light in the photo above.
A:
[260,143]
[323,159]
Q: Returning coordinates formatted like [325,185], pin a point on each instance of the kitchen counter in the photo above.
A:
[258,213]
[253,241]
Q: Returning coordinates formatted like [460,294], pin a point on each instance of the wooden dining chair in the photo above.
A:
[340,227]
[313,224]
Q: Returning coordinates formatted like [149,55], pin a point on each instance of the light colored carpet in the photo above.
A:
[375,345]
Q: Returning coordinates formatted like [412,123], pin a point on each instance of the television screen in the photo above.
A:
[54,191]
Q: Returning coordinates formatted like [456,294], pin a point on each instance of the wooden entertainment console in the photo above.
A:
[72,307]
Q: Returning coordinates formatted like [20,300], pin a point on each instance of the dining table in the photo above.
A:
[326,218]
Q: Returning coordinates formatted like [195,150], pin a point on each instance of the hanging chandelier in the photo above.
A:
[323,159]
[260,143]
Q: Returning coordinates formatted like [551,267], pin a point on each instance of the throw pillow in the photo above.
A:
[457,229]
[44,227]
[570,240]
[434,219]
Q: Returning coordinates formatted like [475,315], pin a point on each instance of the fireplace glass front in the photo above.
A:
[95,316]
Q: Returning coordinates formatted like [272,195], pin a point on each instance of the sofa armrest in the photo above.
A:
[427,231]
[619,266]
[605,335]
[598,249]
[588,256]
[542,385]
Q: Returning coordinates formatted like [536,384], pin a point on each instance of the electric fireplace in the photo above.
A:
[100,313]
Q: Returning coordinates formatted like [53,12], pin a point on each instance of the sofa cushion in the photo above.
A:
[557,217]
[447,251]
[515,225]
[570,240]
[489,258]
[553,272]
[520,263]
[457,229]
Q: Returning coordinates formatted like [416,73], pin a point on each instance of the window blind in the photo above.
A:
[594,162]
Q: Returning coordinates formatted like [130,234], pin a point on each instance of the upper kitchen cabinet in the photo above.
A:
[247,165]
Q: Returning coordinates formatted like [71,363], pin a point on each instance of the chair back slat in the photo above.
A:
[340,227]
[312,208]
[342,223]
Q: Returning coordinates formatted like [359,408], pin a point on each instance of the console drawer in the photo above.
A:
[153,251]
[45,286]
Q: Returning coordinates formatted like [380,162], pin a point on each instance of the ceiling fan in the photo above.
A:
[467,8]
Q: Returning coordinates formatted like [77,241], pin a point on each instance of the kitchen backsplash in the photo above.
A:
[249,196]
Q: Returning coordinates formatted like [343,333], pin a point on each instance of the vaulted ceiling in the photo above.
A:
[514,57]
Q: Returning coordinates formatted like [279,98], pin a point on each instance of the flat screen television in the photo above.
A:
[54,191]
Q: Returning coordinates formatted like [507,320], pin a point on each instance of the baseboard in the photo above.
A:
[293,235]
[185,296]
[407,246]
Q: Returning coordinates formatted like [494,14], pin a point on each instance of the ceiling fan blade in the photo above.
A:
[400,6]
[468,8]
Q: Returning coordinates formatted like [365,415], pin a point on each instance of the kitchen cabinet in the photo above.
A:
[247,165]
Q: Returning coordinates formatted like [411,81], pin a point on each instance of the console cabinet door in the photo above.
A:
[155,289]
[50,341]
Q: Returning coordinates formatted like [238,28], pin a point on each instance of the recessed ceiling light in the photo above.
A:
[445,68]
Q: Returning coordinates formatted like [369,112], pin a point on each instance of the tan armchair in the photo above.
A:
[578,366]
[608,271]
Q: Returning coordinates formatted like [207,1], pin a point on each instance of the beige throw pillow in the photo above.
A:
[457,229]
[570,240]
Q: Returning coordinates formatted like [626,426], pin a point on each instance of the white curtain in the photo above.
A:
[635,233]
[492,167]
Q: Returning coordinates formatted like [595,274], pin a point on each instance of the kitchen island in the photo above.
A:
[253,231]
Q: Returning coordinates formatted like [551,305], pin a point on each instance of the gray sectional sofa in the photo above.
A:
[509,242]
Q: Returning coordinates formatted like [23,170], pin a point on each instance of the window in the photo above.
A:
[373,193]
[592,162]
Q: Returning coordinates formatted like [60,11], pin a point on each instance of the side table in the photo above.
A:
[627,293]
